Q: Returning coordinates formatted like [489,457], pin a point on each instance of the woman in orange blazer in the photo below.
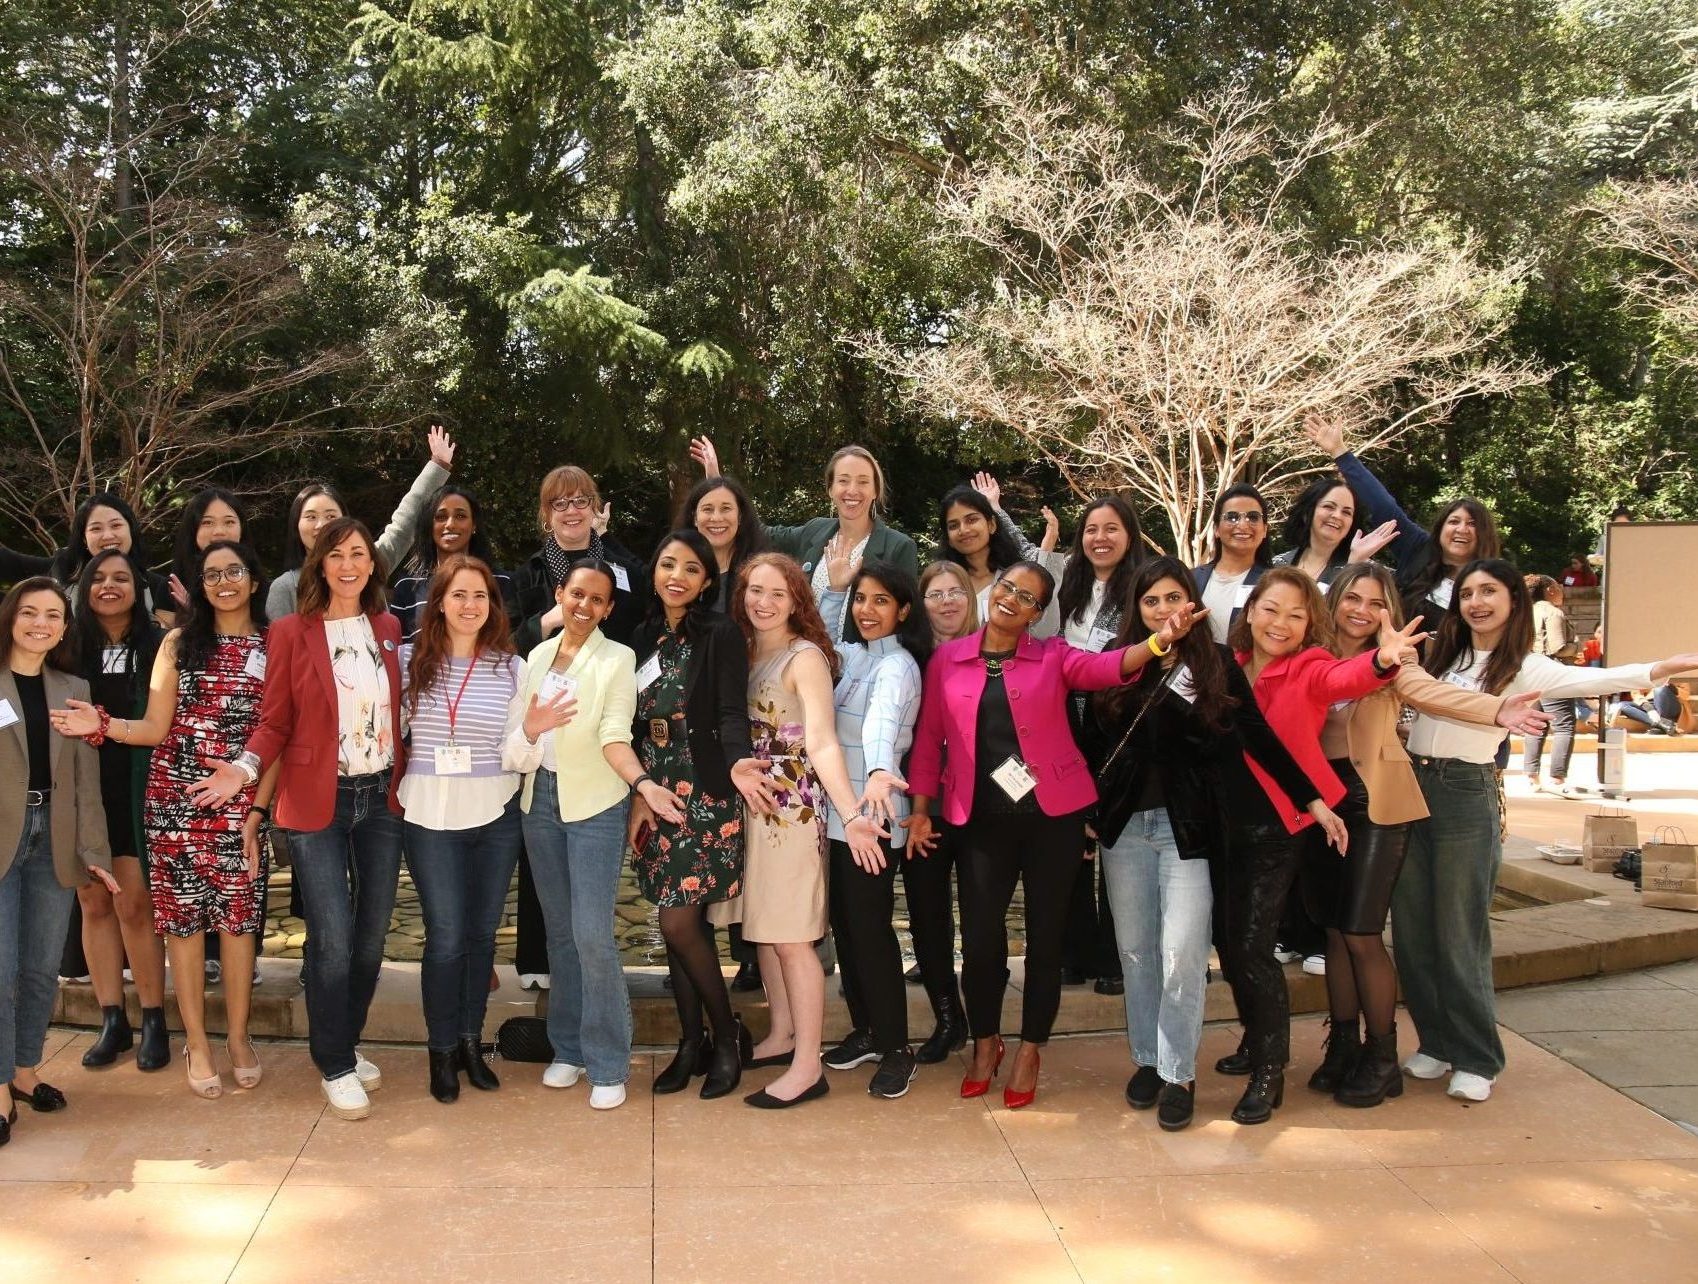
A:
[1350,896]
[331,722]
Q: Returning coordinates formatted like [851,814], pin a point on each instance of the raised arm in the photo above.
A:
[397,537]
[1412,538]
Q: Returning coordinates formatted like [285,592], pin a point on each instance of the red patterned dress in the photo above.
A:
[196,870]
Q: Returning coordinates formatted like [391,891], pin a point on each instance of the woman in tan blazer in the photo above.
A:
[52,830]
[1350,895]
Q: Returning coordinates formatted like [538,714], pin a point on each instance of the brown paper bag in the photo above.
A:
[1606,835]
[1669,871]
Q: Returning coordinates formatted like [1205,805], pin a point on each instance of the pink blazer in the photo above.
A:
[1038,677]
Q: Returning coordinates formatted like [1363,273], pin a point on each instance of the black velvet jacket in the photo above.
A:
[716,697]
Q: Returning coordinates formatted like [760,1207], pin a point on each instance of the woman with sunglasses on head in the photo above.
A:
[1441,908]
[1241,555]
[1014,791]
[318,504]
[204,863]
[449,525]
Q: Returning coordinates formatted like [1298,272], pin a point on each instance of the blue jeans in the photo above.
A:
[462,877]
[575,865]
[1441,916]
[35,912]
[347,873]
[1161,908]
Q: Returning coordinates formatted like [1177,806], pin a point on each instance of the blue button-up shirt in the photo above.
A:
[878,702]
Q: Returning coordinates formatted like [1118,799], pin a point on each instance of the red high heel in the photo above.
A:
[1019,1100]
[978,1087]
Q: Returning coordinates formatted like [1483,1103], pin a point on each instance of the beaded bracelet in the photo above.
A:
[98,738]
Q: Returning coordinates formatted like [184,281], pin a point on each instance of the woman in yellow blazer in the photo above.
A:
[52,830]
[1350,895]
[574,747]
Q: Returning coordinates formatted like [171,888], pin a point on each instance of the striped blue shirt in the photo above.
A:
[878,702]
[483,717]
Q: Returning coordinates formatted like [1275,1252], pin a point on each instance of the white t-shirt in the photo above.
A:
[1220,595]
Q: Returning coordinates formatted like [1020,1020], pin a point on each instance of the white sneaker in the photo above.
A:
[533,980]
[214,971]
[370,1077]
[1467,1086]
[346,1096]
[1421,1066]
[1283,955]
[1315,964]
[607,1096]
[561,1074]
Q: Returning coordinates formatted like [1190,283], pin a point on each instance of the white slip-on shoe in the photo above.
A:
[607,1096]
[561,1074]
[1465,1085]
[370,1077]
[1421,1066]
[347,1098]
[533,980]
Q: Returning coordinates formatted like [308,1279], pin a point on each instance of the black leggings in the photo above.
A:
[867,948]
[1090,945]
[1250,896]
[931,919]
[1042,854]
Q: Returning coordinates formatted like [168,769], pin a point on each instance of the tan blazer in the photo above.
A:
[1394,797]
[77,822]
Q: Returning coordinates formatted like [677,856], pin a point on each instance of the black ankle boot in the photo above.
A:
[1235,1062]
[950,1035]
[724,1069]
[155,1050]
[444,1075]
[690,1059]
[115,1039]
[745,1043]
[1344,1045]
[1262,1096]
[478,1073]
[1375,1075]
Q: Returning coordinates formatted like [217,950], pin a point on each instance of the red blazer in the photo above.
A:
[1038,677]
[297,717]
[1293,694]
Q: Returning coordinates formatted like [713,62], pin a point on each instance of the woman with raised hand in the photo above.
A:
[117,640]
[969,535]
[1171,753]
[102,521]
[691,734]
[1241,555]
[792,667]
[722,511]
[332,719]
[570,510]
[1015,792]
[887,640]
[1350,897]
[213,514]
[450,525]
[1441,908]
[318,504]
[1327,528]
[204,860]
[460,806]
[52,831]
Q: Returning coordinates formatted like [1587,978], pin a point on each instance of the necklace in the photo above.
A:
[994,661]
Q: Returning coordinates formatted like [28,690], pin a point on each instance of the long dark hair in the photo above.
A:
[141,635]
[312,592]
[1243,490]
[69,561]
[1487,546]
[421,561]
[1197,650]
[295,552]
[187,542]
[1300,521]
[1453,648]
[751,531]
[63,656]
[1080,575]
[198,635]
[654,623]
[1002,551]
[915,631]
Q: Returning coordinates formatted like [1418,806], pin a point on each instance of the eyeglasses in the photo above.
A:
[1248,519]
[946,595]
[224,575]
[571,503]
[1020,595]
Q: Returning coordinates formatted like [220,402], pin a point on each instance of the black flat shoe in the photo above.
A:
[1176,1106]
[1143,1088]
[1074,976]
[1110,985]
[777,1059]
[44,1100]
[764,1100]
[6,1122]
[748,978]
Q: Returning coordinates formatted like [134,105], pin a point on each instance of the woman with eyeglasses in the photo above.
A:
[1241,555]
[1014,791]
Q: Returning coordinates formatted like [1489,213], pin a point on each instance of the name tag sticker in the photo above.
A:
[453,760]
[555,685]
[255,667]
[649,672]
[115,659]
[1014,779]
[8,715]
[1100,640]
[1182,684]
[1441,594]
[1464,680]
[621,579]
[1242,596]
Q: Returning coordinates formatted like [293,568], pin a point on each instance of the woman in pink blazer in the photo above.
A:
[1015,790]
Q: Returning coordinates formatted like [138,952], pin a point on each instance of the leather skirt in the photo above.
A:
[1352,893]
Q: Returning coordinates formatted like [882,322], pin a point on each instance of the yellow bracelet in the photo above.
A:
[1155,650]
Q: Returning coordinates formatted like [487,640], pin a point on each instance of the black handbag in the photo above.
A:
[524,1038]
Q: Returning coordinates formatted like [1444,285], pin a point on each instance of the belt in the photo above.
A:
[37,797]
[370,780]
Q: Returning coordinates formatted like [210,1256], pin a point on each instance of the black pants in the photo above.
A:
[1250,895]
[530,948]
[867,949]
[996,853]
[931,920]
[1090,946]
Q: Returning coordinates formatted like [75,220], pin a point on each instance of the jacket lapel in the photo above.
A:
[9,693]
[57,689]
[318,646]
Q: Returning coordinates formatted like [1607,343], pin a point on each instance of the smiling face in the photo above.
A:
[967,530]
[112,591]
[767,600]
[854,489]
[1356,611]
[347,569]
[1485,603]
[1458,537]
[1334,516]
[1016,599]
[946,598]
[40,622]
[452,525]
[1279,621]
[1241,526]
[465,606]
[585,600]
[225,580]
[106,528]
[317,513]
[679,576]
[718,520]
[1161,600]
[569,518]
[1105,539]
[219,521]
[875,610]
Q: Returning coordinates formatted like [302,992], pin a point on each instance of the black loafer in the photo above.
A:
[1143,1088]
[44,1100]
[1177,1103]
[1110,985]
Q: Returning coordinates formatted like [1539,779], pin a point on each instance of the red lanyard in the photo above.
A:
[454,704]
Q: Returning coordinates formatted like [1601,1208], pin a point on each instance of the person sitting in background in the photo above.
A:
[1577,574]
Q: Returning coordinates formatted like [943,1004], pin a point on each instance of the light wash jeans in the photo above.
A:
[575,865]
[1161,908]
[34,914]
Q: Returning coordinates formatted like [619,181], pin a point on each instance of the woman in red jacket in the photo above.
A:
[1280,642]
[331,717]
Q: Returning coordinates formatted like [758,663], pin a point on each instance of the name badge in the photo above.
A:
[115,659]
[1467,681]
[8,715]
[255,667]
[621,579]
[453,760]
[1182,684]
[1099,640]
[649,672]
[1242,596]
[1441,594]
[1014,779]
[555,685]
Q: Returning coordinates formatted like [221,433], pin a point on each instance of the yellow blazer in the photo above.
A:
[1377,753]
[76,814]
[606,673]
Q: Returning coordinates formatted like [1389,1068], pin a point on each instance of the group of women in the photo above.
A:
[772,721]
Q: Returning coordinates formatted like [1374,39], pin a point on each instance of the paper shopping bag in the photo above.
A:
[1669,871]
[1606,835]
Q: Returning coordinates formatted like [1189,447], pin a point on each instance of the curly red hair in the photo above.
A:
[805,620]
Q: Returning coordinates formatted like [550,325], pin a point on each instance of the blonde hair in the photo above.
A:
[937,571]
[567,479]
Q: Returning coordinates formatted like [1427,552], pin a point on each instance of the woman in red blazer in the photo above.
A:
[1281,641]
[330,726]
[1015,791]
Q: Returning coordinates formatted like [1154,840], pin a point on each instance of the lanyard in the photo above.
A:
[454,704]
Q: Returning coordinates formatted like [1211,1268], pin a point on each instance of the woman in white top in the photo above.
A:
[1441,908]
[1241,555]
[460,806]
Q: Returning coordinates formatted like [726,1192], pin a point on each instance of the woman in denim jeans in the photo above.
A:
[461,831]
[331,717]
[1169,752]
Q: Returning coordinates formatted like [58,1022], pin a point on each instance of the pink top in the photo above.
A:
[1037,677]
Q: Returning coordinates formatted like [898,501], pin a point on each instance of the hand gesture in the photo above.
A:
[880,786]
[1052,530]
[1177,625]
[839,566]
[702,451]
[553,620]
[1364,544]
[752,781]
[989,487]
[1521,714]
[599,522]
[250,842]
[1337,834]
[542,718]
[864,836]
[214,791]
[662,802]
[921,836]
[76,719]
[179,594]
[104,878]
[441,448]
[1327,436]
[1399,646]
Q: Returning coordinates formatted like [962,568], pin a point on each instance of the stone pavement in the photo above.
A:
[1557,1178]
